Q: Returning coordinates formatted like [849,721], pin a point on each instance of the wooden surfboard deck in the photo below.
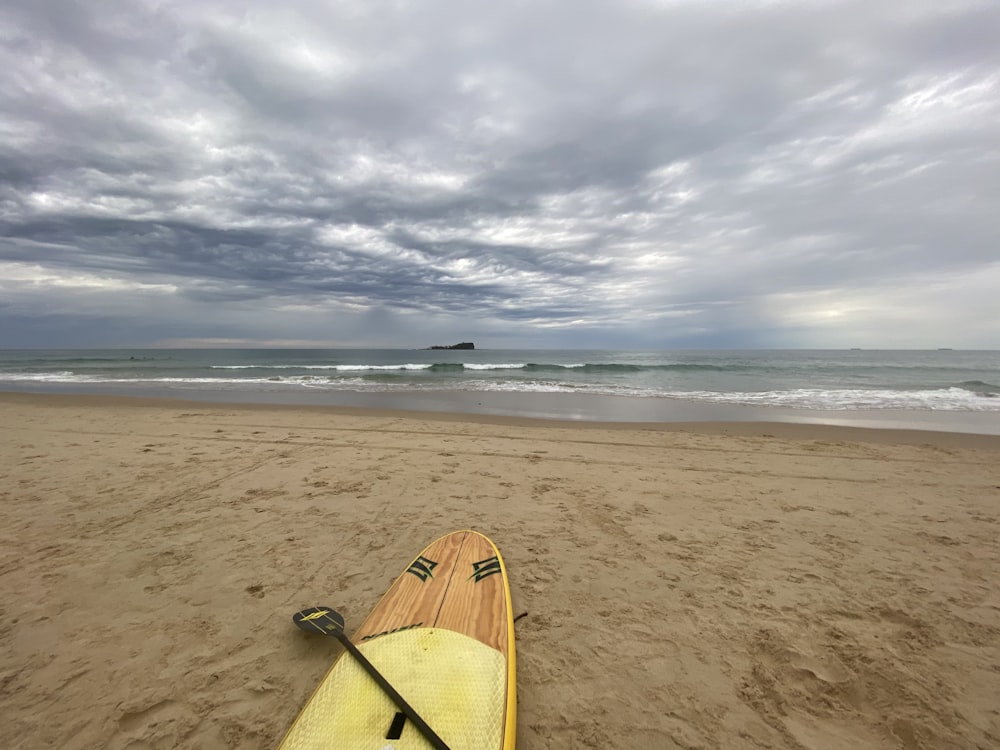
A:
[443,636]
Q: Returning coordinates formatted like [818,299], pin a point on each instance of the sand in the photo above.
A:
[686,586]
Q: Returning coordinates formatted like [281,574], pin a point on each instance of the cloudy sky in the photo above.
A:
[553,173]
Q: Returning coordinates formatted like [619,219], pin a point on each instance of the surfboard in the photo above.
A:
[443,637]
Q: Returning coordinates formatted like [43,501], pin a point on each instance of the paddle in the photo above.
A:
[328,621]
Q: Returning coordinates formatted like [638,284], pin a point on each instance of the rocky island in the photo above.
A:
[463,345]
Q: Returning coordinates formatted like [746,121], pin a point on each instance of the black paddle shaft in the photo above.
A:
[405,707]
[330,622]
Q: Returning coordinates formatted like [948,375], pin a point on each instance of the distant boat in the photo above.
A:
[945,349]
[855,348]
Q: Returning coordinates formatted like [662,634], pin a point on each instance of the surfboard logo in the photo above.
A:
[485,568]
[422,568]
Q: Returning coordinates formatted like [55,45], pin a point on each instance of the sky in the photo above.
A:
[646,174]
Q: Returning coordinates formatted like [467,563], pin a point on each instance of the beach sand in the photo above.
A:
[686,586]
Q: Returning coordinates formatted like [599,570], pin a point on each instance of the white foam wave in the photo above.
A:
[471,366]
[43,377]
[335,368]
[361,367]
[947,399]
[380,368]
[944,399]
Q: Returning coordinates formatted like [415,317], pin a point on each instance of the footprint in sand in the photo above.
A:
[828,670]
[155,724]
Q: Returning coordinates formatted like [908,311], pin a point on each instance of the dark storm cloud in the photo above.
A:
[557,173]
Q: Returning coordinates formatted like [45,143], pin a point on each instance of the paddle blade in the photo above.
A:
[324,620]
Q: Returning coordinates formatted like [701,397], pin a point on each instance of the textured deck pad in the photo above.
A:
[442,636]
[464,702]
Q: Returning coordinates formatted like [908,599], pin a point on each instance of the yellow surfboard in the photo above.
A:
[443,637]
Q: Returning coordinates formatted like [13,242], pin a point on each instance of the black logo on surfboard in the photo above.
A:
[485,568]
[422,568]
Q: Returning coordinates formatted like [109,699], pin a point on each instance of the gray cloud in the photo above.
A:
[644,173]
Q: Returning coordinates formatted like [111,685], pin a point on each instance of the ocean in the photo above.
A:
[943,387]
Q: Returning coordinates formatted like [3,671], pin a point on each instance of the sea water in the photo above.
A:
[828,380]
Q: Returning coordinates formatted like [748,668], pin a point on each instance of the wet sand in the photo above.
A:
[560,406]
[686,585]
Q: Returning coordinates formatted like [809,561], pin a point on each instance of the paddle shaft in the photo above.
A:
[405,707]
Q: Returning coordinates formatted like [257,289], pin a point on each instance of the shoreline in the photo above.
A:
[782,430]
[543,406]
